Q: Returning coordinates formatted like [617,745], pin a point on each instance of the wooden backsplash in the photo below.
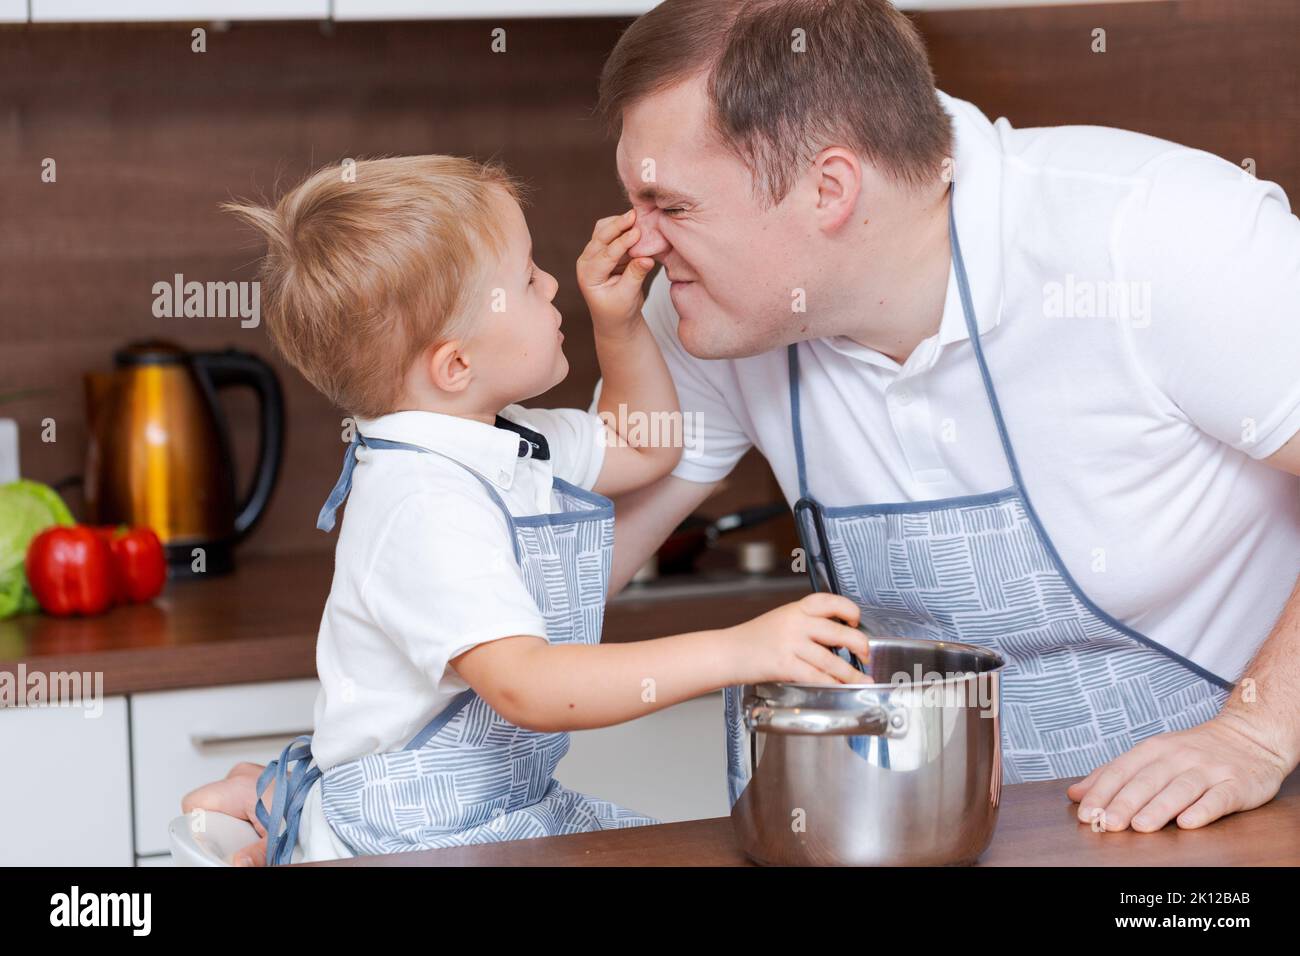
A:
[149,137]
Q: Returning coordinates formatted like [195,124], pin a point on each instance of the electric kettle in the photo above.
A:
[159,450]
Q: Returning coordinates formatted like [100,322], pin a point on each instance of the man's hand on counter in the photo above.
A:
[1194,776]
[236,796]
[1237,761]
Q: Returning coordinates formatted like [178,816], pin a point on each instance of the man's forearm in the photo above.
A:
[1266,700]
[645,518]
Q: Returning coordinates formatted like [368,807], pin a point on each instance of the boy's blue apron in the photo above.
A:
[468,776]
[1079,688]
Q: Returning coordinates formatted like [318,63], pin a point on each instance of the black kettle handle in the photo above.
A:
[231,368]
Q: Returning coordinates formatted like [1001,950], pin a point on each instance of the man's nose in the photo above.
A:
[652,242]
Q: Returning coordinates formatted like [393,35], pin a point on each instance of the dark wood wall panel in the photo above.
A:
[1219,75]
[149,137]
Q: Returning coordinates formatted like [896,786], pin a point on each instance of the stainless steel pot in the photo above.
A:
[903,771]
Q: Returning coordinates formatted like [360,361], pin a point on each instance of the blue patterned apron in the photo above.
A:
[1079,688]
[469,776]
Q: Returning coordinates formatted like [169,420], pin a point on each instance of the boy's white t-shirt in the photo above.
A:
[424,570]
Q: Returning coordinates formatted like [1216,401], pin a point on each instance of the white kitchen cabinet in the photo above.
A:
[54,11]
[670,765]
[481,9]
[83,785]
[183,739]
[67,794]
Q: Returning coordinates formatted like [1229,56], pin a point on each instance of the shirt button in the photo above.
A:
[903,397]
[503,477]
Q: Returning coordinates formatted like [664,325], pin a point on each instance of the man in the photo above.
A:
[1043,385]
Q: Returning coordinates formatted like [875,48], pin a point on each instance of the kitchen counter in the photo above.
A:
[1037,826]
[260,623]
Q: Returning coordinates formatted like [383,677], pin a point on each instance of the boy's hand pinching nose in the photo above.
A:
[613,297]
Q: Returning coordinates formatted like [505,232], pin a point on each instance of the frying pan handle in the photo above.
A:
[816,546]
[812,535]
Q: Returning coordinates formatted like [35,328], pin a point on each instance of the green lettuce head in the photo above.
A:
[26,509]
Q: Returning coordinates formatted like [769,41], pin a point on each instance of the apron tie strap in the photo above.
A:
[291,789]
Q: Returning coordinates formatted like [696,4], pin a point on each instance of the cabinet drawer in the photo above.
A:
[67,795]
[183,739]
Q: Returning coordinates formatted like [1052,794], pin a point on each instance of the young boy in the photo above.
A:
[460,639]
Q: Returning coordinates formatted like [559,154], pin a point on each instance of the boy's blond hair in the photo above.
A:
[363,272]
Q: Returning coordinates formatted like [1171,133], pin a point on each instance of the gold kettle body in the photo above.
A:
[159,452]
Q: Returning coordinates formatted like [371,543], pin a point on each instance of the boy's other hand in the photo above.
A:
[613,295]
[236,796]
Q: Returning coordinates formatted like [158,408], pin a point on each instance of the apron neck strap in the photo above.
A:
[972,329]
[325,520]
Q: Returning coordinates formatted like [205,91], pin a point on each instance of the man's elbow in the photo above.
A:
[660,460]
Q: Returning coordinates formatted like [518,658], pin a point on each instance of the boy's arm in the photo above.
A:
[638,405]
[557,687]
[638,402]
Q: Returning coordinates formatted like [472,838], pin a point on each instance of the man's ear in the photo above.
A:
[448,366]
[838,173]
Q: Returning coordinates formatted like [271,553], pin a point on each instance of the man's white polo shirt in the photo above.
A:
[1139,304]
[424,570]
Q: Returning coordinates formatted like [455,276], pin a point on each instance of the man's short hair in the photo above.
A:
[787,78]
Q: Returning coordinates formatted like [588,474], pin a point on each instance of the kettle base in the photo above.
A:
[218,558]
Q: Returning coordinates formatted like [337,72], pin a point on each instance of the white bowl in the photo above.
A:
[214,845]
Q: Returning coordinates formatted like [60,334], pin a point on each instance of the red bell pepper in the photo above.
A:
[139,565]
[70,570]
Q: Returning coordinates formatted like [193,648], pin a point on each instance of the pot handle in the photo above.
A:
[873,719]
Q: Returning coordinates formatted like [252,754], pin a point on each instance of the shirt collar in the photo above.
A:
[977,178]
[977,173]
[494,451]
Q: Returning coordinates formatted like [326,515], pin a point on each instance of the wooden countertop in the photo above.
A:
[1037,826]
[260,624]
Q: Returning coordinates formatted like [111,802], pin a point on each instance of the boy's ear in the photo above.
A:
[448,366]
